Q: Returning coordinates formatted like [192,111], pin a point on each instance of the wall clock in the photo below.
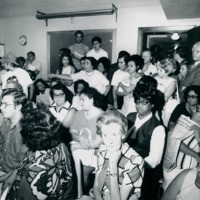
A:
[23,40]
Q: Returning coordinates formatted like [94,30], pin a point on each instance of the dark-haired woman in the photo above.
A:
[62,98]
[66,67]
[45,172]
[147,137]
[188,107]
[42,93]
[135,63]
[93,77]
[83,131]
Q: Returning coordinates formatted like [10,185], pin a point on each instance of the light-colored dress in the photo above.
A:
[163,84]
[129,103]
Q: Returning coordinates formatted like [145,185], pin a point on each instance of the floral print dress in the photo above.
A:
[44,175]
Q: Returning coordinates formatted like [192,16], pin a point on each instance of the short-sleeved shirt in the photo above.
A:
[95,79]
[100,54]
[12,150]
[119,76]
[178,111]
[130,168]
[62,113]
[78,50]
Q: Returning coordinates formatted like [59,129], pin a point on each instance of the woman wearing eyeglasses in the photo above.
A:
[61,107]
[147,136]
[188,107]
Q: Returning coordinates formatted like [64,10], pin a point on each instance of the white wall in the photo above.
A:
[129,19]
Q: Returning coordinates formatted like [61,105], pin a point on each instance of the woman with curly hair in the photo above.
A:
[45,172]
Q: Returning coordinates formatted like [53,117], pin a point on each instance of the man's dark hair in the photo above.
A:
[96,39]
[31,52]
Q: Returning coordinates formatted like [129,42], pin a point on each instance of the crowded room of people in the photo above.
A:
[100,100]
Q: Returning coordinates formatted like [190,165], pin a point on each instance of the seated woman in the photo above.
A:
[79,86]
[45,172]
[147,136]
[120,169]
[167,85]
[182,150]
[42,91]
[188,107]
[66,67]
[62,98]
[83,131]
[135,62]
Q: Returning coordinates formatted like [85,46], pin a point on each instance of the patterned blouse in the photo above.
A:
[44,175]
[130,169]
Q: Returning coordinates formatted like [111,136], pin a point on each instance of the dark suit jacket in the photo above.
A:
[193,76]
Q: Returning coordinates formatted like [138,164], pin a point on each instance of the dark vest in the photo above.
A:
[141,144]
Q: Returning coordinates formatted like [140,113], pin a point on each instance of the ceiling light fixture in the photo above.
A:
[175,36]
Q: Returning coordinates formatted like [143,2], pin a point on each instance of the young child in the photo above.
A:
[119,168]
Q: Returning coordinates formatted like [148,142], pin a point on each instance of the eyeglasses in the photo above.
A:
[191,96]
[143,102]
[58,95]
[5,105]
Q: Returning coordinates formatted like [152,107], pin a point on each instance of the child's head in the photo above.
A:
[112,127]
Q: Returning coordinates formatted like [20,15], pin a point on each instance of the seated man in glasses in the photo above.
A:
[14,105]
[147,137]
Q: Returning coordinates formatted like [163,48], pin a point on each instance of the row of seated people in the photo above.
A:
[127,152]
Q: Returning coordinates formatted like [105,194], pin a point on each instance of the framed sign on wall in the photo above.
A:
[2,50]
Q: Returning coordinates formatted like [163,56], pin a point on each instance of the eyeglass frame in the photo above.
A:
[5,105]
[143,102]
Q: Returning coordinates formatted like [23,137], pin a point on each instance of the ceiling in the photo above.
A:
[14,8]
[181,9]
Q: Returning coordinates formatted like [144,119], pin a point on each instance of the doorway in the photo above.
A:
[149,36]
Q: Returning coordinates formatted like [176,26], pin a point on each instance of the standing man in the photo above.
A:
[120,75]
[148,69]
[78,49]
[32,64]
[97,52]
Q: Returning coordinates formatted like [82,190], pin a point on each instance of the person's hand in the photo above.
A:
[120,84]
[84,143]
[4,177]
[134,197]
[52,75]
[8,65]
[8,182]
[115,104]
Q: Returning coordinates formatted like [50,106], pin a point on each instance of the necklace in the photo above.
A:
[89,73]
